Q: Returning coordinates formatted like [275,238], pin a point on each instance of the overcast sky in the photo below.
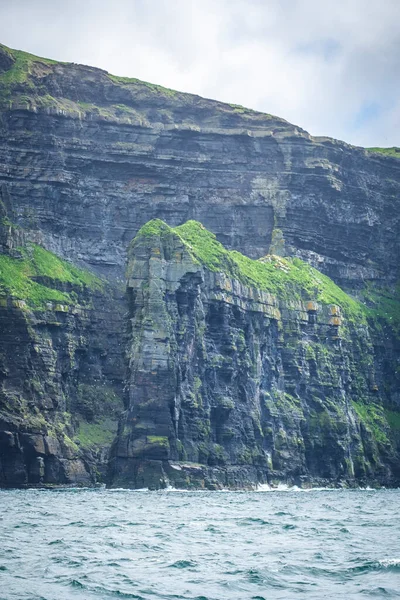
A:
[329,66]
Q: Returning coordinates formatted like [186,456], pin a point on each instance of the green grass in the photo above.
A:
[289,279]
[16,280]
[96,434]
[383,304]
[17,277]
[286,278]
[155,227]
[18,78]
[375,419]
[238,108]
[394,151]
[23,86]
[48,264]
[21,69]
[24,63]
[159,440]
[158,89]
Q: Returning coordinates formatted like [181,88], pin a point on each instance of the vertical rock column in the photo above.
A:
[147,427]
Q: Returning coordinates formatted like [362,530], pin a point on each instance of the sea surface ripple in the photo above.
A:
[83,544]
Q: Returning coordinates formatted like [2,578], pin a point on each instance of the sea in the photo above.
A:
[79,544]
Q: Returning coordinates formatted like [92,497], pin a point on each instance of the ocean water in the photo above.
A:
[289,544]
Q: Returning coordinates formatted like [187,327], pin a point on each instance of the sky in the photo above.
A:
[330,66]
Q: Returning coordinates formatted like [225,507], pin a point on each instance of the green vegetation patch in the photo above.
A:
[49,265]
[394,151]
[21,88]
[17,277]
[22,66]
[374,418]
[97,401]
[16,280]
[289,279]
[97,434]
[384,304]
[20,71]
[158,440]
[155,227]
[132,81]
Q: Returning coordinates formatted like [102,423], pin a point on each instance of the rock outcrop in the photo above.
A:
[86,159]
[61,367]
[244,371]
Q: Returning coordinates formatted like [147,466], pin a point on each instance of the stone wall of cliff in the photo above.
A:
[61,367]
[86,159]
[246,371]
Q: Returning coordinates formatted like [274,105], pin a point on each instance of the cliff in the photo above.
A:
[244,371]
[86,160]
[61,367]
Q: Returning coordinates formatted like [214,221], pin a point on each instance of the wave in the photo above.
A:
[391,564]
[388,563]
[126,489]
[183,564]
[283,487]
[261,487]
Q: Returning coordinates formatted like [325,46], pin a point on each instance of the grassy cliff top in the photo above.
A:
[36,276]
[83,90]
[394,151]
[284,277]
[86,91]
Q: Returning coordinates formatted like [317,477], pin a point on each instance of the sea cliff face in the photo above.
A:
[87,159]
[61,367]
[245,371]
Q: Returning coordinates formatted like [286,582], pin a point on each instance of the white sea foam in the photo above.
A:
[261,487]
[127,490]
[389,562]
[283,487]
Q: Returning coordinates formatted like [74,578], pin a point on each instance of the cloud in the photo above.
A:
[330,66]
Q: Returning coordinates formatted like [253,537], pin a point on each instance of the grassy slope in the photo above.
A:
[17,277]
[394,151]
[25,64]
[284,277]
[287,278]
[21,68]
[21,86]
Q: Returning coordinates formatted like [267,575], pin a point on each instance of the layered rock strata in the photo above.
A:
[61,368]
[244,372]
[86,159]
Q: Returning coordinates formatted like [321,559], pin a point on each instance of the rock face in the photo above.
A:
[61,368]
[86,159]
[246,371]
